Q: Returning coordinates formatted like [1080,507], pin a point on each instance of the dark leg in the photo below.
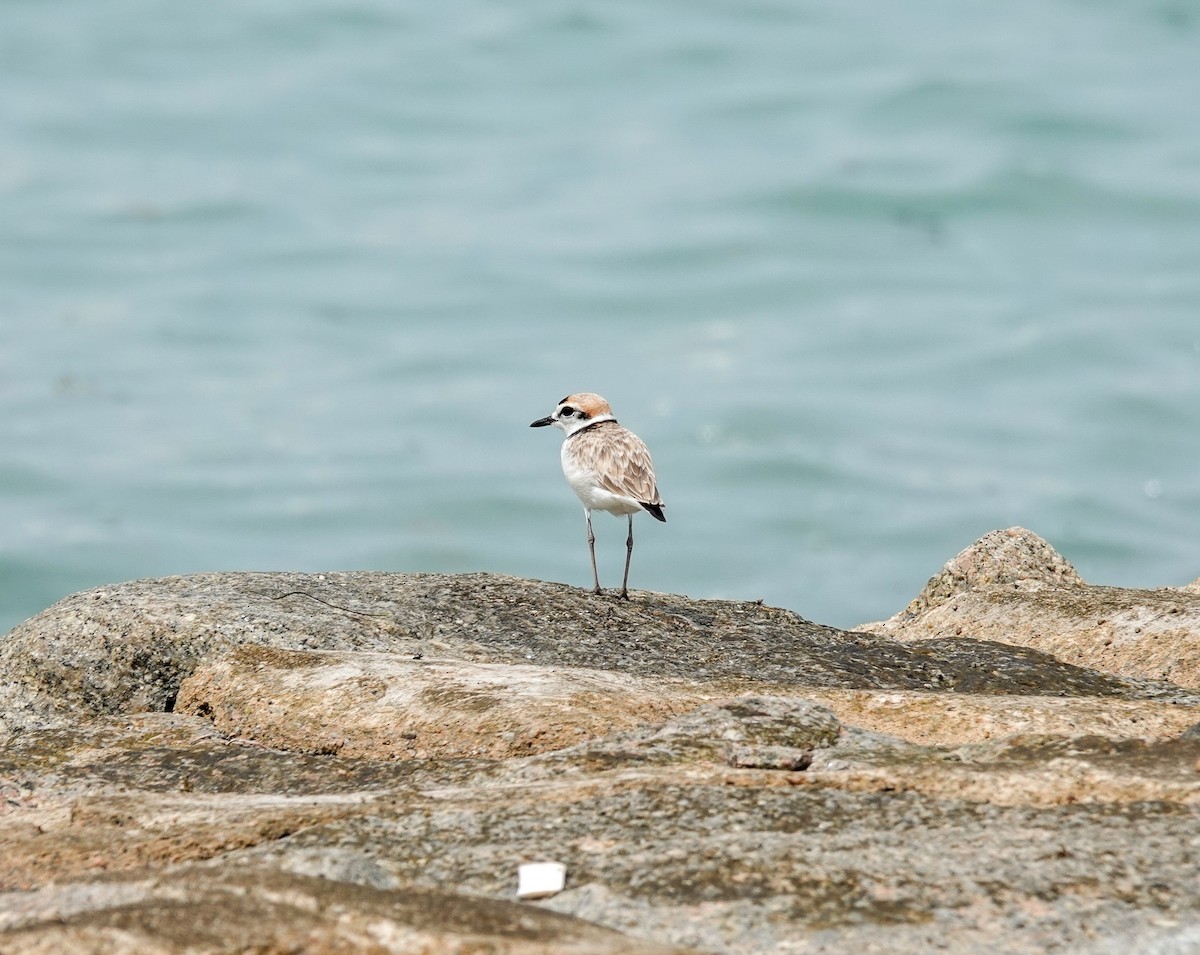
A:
[592,551]
[628,558]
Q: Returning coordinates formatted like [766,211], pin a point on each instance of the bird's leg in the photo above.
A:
[628,558]
[592,551]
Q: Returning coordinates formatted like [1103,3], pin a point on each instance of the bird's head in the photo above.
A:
[577,411]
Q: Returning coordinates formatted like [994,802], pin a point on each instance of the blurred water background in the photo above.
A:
[282,285]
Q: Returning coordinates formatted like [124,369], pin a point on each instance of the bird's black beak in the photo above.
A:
[542,422]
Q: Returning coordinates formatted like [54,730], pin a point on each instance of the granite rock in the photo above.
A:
[274,911]
[360,762]
[1012,587]
[129,647]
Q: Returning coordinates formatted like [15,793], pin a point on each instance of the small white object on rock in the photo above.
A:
[537,880]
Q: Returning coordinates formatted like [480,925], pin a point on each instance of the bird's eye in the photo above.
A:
[568,411]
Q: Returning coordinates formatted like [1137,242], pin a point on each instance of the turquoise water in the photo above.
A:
[283,284]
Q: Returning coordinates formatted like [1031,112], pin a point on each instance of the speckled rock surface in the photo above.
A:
[382,706]
[271,911]
[942,718]
[1012,587]
[128,648]
[359,763]
[760,824]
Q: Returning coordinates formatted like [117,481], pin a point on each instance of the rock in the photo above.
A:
[361,762]
[941,718]
[128,648]
[749,731]
[379,705]
[271,911]
[382,706]
[1012,587]
[878,843]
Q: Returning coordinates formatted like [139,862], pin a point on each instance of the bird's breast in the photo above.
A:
[585,483]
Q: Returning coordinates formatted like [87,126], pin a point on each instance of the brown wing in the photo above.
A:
[623,466]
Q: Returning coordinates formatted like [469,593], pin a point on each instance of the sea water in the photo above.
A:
[283,284]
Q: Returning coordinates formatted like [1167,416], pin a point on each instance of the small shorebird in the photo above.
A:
[607,465]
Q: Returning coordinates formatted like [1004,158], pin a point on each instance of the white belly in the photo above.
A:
[595,498]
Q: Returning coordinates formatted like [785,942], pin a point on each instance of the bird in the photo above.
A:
[607,466]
